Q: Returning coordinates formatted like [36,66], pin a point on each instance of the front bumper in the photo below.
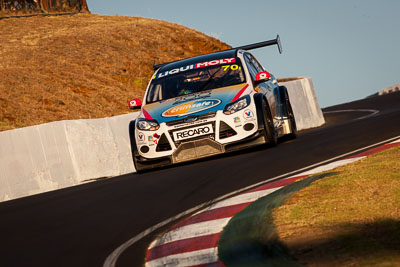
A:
[202,148]
[226,133]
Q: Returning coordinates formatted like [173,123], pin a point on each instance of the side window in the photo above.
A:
[250,65]
[258,65]
[255,63]
[154,94]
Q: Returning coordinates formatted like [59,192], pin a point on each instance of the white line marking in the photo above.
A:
[113,257]
[373,111]
[396,141]
[330,166]
[198,257]
[191,230]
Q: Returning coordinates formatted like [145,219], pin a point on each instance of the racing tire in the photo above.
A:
[288,112]
[269,130]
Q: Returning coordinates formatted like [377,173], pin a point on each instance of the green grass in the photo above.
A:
[350,219]
[250,238]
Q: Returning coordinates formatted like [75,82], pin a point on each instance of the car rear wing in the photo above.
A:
[276,41]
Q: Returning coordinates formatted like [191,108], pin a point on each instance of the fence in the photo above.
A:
[18,7]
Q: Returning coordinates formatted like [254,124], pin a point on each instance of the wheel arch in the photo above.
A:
[258,101]
[284,98]
[132,138]
[258,98]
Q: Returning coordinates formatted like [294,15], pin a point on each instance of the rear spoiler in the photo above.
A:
[276,41]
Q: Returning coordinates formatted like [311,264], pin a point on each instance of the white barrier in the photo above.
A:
[59,154]
[306,109]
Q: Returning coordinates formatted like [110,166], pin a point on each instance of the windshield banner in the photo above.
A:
[195,66]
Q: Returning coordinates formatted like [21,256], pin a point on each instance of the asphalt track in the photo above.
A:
[82,225]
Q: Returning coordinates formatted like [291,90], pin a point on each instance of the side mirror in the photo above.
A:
[135,103]
[262,77]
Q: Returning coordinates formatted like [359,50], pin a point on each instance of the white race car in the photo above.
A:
[208,105]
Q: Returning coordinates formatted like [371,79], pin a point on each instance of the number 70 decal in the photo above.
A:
[232,67]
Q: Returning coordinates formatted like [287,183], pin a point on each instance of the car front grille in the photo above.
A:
[163,144]
[225,131]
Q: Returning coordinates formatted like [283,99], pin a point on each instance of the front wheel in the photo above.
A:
[269,129]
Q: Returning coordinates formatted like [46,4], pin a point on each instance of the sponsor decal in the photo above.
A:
[153,139]
[191,107]
[193,132]
[156,136]
[141,137]
[195,66]
[248,114]
[237,122]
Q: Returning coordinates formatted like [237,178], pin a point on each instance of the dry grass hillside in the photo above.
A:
[84,66]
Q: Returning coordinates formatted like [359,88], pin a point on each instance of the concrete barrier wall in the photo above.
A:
[59,154]
[304,102]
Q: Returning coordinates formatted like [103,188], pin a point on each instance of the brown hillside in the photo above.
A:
[84,66]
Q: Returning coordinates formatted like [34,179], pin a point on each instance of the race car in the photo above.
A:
[208,105]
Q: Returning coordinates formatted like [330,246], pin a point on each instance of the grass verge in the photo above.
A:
[250,238]
[349,219]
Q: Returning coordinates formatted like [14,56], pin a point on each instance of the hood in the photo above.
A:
[193,104]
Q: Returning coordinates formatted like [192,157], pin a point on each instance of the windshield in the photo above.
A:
[195,78]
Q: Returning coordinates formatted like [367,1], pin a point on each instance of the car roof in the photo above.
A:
[193,60]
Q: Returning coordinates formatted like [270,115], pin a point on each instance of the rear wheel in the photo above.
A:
[288,112]
[269,129]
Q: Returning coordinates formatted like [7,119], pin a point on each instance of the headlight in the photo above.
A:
[239,104]
[147,125]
